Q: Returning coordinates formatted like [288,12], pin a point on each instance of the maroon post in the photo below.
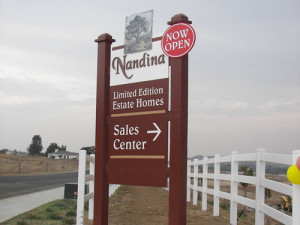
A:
[179,124]
[101,146]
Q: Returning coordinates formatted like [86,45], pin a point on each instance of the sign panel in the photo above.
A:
[139,97]
[138,67]
[138,118]
[178,40]
[138,150]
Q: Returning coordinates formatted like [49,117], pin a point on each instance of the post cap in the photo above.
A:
[179,18]
[105,37]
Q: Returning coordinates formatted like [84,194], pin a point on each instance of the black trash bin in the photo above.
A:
[71,190]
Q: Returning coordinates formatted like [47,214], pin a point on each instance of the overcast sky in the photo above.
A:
[244,71]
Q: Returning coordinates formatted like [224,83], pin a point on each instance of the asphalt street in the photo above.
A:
[19,185]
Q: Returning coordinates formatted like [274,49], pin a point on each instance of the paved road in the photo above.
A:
[19,185]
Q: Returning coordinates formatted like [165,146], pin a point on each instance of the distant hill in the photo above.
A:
[271,168]
[199,157]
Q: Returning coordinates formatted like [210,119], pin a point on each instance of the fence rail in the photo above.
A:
[259,180]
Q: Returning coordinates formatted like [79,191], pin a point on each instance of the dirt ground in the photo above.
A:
[13,164]
[133,205]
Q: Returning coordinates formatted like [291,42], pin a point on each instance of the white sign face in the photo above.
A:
[138,67]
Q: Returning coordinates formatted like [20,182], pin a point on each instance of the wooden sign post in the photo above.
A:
[178,136]
[101,143]
[132,119]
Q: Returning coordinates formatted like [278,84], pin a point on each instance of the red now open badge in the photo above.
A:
[178,40]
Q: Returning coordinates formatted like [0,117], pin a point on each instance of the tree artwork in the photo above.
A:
[135,28]
[36,147]
[138,32]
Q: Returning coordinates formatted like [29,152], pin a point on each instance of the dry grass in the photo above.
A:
[12,164]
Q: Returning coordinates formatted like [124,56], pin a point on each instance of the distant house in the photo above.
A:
[9,152]
[63,155]
[13,152]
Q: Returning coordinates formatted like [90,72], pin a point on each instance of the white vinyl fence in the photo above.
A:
[260,181]
[83,178]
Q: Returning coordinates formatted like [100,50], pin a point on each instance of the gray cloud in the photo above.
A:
[243,71]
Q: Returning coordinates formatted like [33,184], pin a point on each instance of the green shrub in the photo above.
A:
[211,202]
[56,212]
[224,205]
[54,216]
[33,216]
[243,216]
[68,221]
[22,222]
[49,210]
[59,205]
[86,206]
[71,213]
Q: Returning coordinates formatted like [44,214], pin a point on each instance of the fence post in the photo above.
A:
[234,189]
[216,186]
[296,194]
[47,164]
[204,184]
[195,192]
[20,160]
[81,187]
[188,189]
[260,190]
[91,189]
